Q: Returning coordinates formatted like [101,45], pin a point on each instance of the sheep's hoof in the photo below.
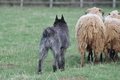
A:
[106,62]
[82,65]
[39,73]
[97,62]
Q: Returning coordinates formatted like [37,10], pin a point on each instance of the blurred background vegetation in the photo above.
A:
[61,3]
[59,0]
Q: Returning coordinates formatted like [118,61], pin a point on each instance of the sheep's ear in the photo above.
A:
[87,11]
[56,19]
[62,18]
[101,11]
[118,13]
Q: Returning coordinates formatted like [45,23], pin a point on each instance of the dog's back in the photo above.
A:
[55,36]
[48,32]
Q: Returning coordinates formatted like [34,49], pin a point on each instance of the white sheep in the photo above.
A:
[114,14]
[90,31]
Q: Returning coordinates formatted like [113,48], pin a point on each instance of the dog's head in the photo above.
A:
[59,22]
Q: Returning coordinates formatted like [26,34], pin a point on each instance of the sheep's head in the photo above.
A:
[96,11]
[114,14]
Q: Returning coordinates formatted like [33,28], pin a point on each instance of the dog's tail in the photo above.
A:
[49,32]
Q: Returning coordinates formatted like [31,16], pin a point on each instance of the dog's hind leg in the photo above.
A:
[56,61]
[43,54]
[56,53]
[63,59]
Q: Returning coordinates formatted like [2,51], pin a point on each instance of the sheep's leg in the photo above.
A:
[90,55]
[116,55]
[106,55]
[101,57]
[112,54]
[96,60]
[82,59]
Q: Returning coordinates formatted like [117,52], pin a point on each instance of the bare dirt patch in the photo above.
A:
[49,61]
[70,56]
[8,65]
[72,78]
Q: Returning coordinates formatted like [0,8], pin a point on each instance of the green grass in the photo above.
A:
[20,33]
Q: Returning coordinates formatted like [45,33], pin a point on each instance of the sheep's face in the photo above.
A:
[96,11]
[115,12]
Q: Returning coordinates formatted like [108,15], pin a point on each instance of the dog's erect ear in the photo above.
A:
[62,18]
[56,19]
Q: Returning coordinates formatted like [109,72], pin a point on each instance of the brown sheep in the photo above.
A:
[112,24]
[90,31]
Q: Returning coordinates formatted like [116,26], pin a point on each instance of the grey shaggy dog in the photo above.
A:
[55,38]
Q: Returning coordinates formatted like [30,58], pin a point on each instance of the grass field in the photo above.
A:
[20,33]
